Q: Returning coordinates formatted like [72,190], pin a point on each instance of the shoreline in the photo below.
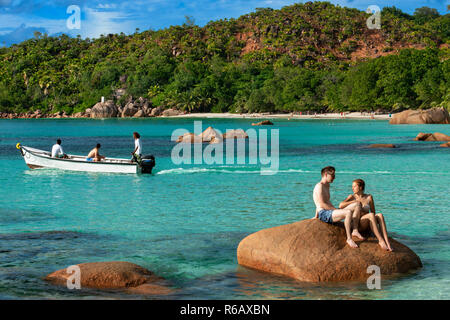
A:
[289,116]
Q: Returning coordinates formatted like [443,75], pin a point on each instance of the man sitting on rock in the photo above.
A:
[326,212]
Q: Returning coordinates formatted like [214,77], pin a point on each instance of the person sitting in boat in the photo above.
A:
[369,218]
[137,153]
[94,155]
[57,151]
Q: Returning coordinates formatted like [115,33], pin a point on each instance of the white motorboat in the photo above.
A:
[35,159]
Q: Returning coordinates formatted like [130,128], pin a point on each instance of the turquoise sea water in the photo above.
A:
[184,222]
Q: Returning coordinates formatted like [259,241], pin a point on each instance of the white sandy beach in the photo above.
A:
[352,115]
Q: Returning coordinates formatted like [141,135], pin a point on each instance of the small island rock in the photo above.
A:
[314,251]
[114,275]
[263,123]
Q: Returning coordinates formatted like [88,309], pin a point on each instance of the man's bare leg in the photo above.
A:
[340,214]
[374,228]
[380,220]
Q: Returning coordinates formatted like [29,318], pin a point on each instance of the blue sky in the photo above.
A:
[19,19]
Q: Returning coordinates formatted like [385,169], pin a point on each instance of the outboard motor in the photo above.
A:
[147,163]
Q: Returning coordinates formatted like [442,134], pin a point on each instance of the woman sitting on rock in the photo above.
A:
[369,218]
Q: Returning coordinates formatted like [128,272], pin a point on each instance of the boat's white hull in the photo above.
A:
[36,159]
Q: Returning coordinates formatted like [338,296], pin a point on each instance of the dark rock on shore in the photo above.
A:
[314,251]
[104,110]
[171,113]
[115,275]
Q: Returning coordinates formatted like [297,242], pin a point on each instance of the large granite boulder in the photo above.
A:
[211,135]
[104,110]
[156,112]
[114,275]
[129,110]
[139,114]
[235,134]
[314,251]
[429,116]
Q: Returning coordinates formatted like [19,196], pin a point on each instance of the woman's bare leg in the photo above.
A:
[356,218]
[356,210]
[374,228]
[346,214]
[382,223]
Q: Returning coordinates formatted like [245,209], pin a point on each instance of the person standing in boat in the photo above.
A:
[57,151]
[137,153]
[94,155]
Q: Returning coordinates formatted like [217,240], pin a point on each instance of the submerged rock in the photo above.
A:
[429,116]
[382,145]
[114,275]
[314,251]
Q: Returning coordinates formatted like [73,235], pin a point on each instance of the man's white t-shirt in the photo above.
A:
[57,151]
[137,144]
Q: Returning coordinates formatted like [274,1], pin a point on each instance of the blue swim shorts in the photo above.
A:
[326,216]
[89,159]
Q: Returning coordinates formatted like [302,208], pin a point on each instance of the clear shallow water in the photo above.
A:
[184,222]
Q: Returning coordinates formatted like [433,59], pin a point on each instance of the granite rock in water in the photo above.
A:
[189,138]
[114,275]
[235,134]
[382,145]
[437,136]
[314,251]
[211,135]
[263,123]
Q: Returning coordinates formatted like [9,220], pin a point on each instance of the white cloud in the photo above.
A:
[104,22]
[107,6]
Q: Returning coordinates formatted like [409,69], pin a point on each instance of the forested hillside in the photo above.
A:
[312,56]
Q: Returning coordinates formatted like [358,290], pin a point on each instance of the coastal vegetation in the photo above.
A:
[305,57]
